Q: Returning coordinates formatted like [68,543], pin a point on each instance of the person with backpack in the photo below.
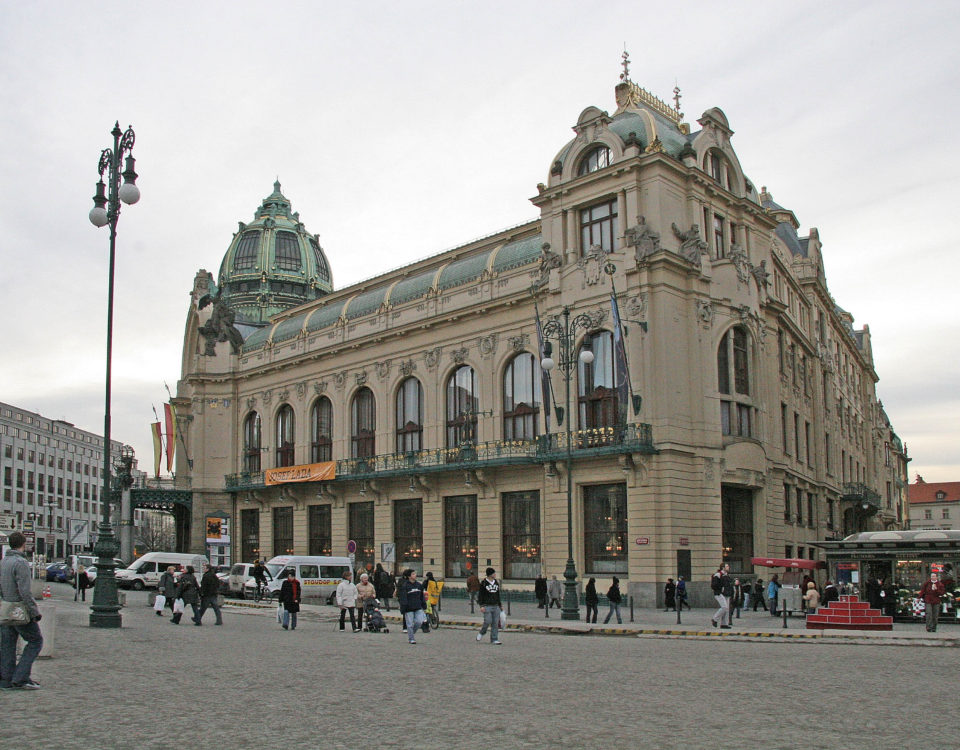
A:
[384,586]
[489,600]
[614,597]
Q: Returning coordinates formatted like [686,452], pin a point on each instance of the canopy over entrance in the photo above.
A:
[794,563]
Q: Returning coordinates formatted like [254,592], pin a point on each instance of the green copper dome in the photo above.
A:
[273,264]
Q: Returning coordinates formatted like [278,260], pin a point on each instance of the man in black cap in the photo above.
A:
[489,600]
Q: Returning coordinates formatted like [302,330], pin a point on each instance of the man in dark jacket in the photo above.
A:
[209,592]
[167,586]
[722,588]
[410,594]
[930,592]
[290,593]
[539,589]
[489,600]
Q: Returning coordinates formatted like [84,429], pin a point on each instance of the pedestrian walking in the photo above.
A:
[539,589]
[811,598]
[167,586]
[473,587]
[555,591]
[83,583]
[383,584]
[591,599]
[209,593]
[614,598]
[189,591]
[347,601]
[490,605]
[720,584]
[15,589]
[736,600]
[365,590]
[290,593]
[930,593]
[670,595]
[830,594]
[682,593]
[412,600]
[758,594]
[772,588]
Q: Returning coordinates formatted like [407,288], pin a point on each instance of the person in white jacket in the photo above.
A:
[347,601]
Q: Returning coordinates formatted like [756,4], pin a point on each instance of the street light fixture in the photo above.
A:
[565,334]
[105,612]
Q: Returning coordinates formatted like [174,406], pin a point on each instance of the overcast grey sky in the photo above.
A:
[401,129]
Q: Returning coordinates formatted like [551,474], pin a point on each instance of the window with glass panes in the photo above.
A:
[321,431]
[460,536]
[283,531]
[521,398]
[287,251]
[597,396]
[598,226]
[251,443]
[363,424]
[521,534]
[319,534]
[246,254]
[605,528]
[409,416]
[733,369]
[462,406]
[408,534]
[596,159]
[285,436]
[360,529]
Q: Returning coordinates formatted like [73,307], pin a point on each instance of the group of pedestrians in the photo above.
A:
[178,592]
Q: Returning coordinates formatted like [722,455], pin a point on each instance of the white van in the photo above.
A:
[145,571]
[319,575]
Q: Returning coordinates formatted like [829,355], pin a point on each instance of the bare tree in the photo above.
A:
[155,532]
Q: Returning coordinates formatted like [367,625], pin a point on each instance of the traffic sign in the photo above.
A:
[8,521]
[78,531]
[388,552]
[351,547]
[28,525]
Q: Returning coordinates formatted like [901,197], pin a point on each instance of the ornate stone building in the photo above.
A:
[757,428]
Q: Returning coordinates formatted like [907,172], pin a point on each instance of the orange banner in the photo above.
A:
[304,473]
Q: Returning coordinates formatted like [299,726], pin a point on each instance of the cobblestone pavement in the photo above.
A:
[251,684]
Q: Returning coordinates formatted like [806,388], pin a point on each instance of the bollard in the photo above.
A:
[678,603]
[784,614]
[546,612]
[631,608]
[508,603]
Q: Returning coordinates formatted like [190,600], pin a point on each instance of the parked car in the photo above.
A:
[58,572]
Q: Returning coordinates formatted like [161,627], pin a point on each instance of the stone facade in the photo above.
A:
[759,428]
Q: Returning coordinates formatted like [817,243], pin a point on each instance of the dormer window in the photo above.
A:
[941,495]
[598,158]
[716,167]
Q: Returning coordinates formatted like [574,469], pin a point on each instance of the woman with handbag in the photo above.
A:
[167,588]
[19,616]
[188,590]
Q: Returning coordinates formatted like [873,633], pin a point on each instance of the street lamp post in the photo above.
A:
[105,612]
[565,334]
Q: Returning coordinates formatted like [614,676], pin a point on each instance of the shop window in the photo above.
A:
[319,530]
[408,534]
[605,529]
[521,535]
[460,536]
[283,530]
[360,529]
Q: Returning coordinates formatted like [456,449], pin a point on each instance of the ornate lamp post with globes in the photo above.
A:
[565,334]
[105,612]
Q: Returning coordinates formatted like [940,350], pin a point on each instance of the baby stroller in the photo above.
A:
[375,621]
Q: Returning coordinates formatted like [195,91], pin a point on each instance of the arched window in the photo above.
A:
[596,159]
[285,439]
[733,382]
[410,416]
[521,398]
[321,431]
[287,251]
[363,424]
[462,405]
[246,255]
[251,442]
[597,394]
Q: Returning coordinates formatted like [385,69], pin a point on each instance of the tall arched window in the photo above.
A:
[285,439]
[597,394]
[321,431]
[462,406]
[409,416]
[251,442]
[521,398]
[363,424]
[733,382]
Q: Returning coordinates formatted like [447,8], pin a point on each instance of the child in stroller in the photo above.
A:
[371,613]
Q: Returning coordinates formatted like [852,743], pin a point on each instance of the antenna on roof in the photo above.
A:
[625,75]
[676,97]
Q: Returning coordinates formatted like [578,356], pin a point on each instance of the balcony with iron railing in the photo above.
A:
[858,492]
[631,438]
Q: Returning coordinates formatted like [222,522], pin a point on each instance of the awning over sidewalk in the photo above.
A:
[794,563]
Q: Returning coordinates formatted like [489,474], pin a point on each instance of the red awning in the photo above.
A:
[788,562]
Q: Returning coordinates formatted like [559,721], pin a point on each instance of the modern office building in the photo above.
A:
[408,413]
[51,474]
